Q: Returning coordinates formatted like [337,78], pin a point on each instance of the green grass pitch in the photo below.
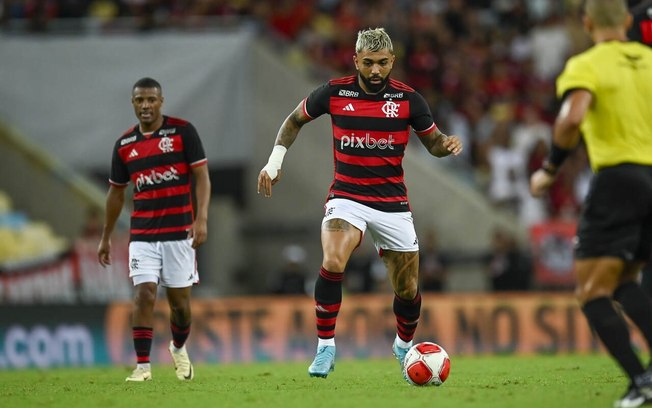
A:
[475,381]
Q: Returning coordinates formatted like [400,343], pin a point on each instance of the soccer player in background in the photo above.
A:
[371,117]
[160,155]
[606,94]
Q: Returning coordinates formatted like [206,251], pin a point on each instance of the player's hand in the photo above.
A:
[540,182]
[104,252]
[265,182]
[453,144]
[198,233]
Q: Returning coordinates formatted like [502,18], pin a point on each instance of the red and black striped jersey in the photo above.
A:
[159,165]
[370,135]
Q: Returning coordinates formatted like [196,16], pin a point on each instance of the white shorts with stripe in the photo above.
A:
[172,264]
[389,230]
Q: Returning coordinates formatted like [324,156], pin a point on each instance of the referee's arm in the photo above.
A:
[566,135]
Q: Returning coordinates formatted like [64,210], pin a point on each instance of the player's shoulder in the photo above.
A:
[337,87]
[175,121]
[129,131]
[128,136]
[400,86]
[343,81]
[174,125]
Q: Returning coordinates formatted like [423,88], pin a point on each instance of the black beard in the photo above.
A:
[374,88]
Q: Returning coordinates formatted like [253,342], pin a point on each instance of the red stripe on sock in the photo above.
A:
[323,334]
[331,276]
[320,307]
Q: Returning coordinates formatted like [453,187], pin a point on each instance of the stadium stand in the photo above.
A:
[487,69]
[25,242]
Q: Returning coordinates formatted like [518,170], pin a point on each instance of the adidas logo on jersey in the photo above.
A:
[133,153]
[349,108]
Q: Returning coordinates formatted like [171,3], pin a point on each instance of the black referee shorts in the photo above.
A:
[616,219]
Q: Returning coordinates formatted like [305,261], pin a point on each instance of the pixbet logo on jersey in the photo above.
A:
[366,142]
[155,177]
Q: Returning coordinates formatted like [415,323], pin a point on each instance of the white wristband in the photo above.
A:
[275,161]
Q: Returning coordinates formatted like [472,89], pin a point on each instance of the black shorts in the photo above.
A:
[616,220]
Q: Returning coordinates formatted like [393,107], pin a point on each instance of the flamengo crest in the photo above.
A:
[166,145]
[390,109]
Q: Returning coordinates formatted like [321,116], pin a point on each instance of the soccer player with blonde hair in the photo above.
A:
[372,116]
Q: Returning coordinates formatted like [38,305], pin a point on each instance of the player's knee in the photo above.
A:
[145,296]
[407,291]
[180,314]
[334,263]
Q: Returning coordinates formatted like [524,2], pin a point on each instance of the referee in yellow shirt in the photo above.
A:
[607,98]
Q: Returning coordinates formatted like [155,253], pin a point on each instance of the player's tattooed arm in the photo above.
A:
[441,145]
[290,128]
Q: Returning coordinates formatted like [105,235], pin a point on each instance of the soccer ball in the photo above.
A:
[426,363]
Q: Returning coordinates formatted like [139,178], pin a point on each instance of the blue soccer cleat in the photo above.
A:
[323,363]
[399,353]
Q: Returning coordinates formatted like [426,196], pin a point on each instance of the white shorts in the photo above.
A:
[171,263]
[392,231]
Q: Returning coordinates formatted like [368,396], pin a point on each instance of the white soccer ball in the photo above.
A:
[426,363]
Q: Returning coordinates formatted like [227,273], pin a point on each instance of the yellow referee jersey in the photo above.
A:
[618,126]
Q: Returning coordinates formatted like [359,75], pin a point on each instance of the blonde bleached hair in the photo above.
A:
[606,13]
[373,39]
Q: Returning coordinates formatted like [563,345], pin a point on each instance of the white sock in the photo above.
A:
[403,344]
[326,342]
[177,350]
[145,366]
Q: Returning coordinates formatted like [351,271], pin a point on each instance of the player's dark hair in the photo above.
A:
[147,83]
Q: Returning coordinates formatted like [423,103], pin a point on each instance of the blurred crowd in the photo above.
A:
[486,67]
[506,266]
